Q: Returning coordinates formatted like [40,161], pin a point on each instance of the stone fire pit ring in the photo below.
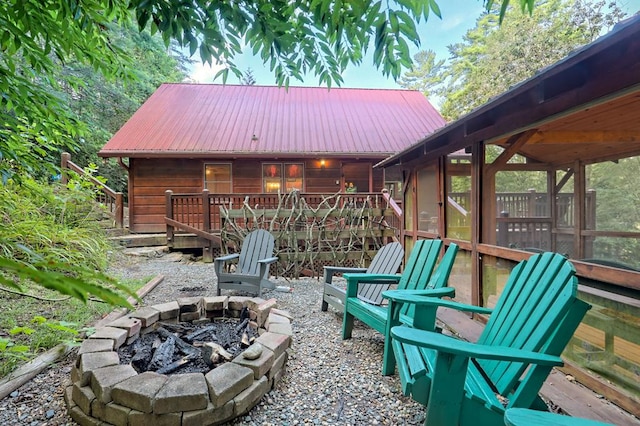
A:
[103,390]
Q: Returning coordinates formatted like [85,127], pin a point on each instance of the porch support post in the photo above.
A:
[169,213]
[207,250]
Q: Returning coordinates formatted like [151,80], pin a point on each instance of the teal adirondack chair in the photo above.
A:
[420,277]
[534,319]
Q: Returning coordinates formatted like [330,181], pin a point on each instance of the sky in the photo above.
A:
[458,16]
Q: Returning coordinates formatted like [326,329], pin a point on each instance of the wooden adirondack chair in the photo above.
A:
[386,261]
[418,278]
[534,318]
[252,270]
[525,417]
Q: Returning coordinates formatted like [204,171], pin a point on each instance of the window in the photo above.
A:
[217,178]
[274,180]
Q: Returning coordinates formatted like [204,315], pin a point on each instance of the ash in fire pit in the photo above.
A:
[189,348]
[194,361]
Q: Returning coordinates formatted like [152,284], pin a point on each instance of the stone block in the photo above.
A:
[75,374]
[278,343]
[216,303]
[118,335]
[281,329]
[116,414]
[275,319]
[78,416]
[248,398]
[132,325]
[138,392]
[131,339]
[201,321]
[226,381]
[190,304]
[277,365]
[147,316]
[253,303]
[104,379]
[282,313]
[278,377]
[150,329]
[209,416]
[260,365]
[95,345]
[83,396]
[214,314]
[264,309]
[236,303]
[167,310]
[253,315]
[189,316]
[97,409]
[92,361]
[137,418]
[68,396]
[183,392]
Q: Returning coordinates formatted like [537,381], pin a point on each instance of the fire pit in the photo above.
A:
[106,386]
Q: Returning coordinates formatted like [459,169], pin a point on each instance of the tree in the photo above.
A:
[493,58]
[247,78]
[294,38]
[426,73]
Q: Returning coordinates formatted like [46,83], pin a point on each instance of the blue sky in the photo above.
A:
[458,16]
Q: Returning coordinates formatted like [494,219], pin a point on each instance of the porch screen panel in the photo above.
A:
[427,200]
[458,203]
[217,178]
[612,210]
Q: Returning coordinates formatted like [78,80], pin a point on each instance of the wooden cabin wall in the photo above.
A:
[150,178]
[148,181]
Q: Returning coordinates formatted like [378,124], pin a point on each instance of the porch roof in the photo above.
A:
[585,107]
[205,120]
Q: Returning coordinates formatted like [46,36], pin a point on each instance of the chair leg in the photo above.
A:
[325,306]
[347,325]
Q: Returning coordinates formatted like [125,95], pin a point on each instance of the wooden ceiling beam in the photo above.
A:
[587,136]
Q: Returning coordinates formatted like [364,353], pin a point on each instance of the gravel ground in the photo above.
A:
[328,382]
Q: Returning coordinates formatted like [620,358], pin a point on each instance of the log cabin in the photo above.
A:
[239,140]
[551,164]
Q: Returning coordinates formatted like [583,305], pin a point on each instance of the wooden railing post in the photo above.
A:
[64,165]
[503,230]
[119,210]
[207,250]
[169,213]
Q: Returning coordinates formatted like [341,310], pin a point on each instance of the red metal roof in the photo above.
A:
[200,120]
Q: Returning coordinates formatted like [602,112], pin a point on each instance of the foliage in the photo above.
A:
[51,238]
[493,58]
[247,78]
[426,73]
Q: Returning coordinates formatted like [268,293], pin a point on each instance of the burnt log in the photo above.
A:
[176,364]
[243,324]
[163,355]
[210,329]
[183,346]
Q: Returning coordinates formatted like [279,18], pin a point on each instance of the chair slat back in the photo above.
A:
[535,301]
[386,261]
[257,245]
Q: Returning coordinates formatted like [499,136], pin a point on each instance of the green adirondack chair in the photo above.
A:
[534,318]
[419,277]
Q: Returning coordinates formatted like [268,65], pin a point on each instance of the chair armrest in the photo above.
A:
[268,260]
[330,271]
[447,344]
[405,296]
[353,280]
[227,257]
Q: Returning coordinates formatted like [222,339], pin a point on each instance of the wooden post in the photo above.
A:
[119,211]
[169,213]
[207,250]
[66,157]
[503,230]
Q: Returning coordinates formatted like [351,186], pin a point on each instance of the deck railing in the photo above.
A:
[113,201]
